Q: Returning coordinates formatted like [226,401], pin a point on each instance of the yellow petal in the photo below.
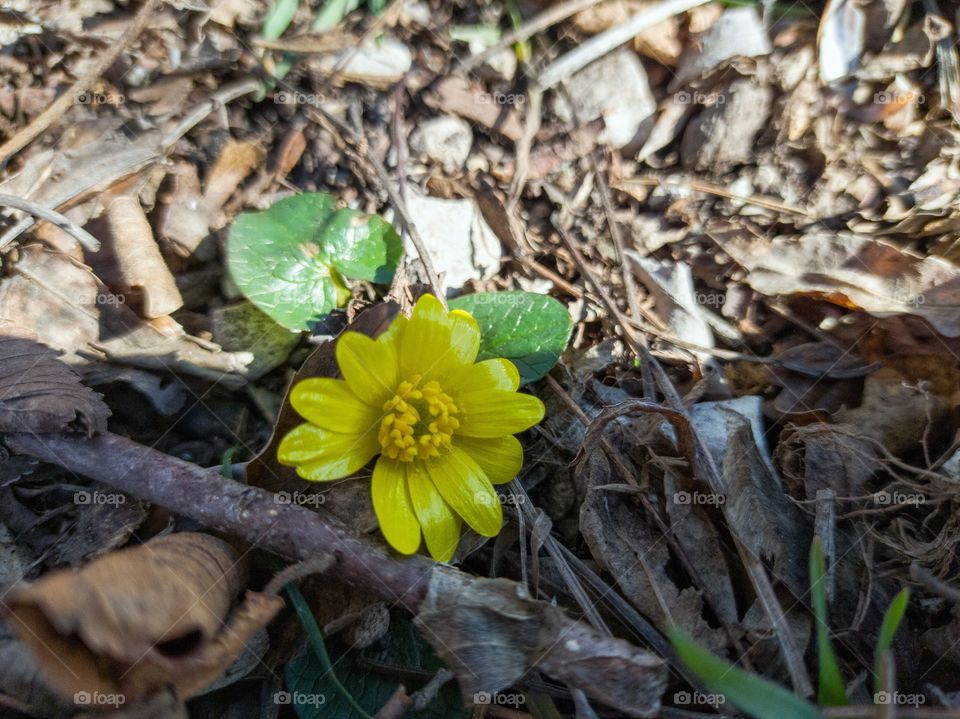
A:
[434,342]
[494,413]
[391,502]
[369,367]
[441,527]
[500,458]
[496,373]
[321,455]
[467,490]
[329,403]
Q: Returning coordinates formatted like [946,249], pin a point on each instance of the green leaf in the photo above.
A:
[888,628]
[361,676]
[293,259]
[831,691]
[528,329]
[278,18]
[751,694]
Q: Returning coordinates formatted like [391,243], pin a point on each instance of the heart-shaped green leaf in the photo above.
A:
[528,329]
[293,259]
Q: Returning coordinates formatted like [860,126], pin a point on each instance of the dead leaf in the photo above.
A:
[491,634]
[41,394]
[853,271]
[140,619]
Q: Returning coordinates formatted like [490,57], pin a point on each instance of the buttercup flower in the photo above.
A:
[441,422]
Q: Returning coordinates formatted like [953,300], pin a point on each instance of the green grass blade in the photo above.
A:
[315,636]
[831,691]
[279,17]
[751,694]
[888,628]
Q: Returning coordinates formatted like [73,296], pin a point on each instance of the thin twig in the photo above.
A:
[599,45]
[544,20]
[88,241]
[46,118]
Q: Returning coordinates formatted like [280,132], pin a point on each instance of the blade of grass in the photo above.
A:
[831,690]
[751,694]
[315,636]
[888,628]
[278,18]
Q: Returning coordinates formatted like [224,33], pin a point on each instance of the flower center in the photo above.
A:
[417,421]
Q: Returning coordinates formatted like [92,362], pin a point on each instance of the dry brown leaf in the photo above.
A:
[41,394]
[853,271]
[456,95]
[624,542]
[490,634]
[237,160]
[141,619]
[143,276]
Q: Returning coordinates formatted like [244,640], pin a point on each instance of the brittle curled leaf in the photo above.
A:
[141,619]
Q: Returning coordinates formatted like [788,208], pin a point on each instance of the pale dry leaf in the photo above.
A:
[141,618]
[855,272]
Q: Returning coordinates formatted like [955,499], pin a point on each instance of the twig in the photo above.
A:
[430,690]
[599,45]
[88,241]
[937,586]
[361,152]
[46,118]
[544,20]
[297,533]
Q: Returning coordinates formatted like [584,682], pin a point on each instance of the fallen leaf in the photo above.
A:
[141,618]
[42,395]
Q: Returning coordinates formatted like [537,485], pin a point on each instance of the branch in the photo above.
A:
[487,630]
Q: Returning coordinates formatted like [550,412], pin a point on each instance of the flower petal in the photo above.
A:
[391,502]
[434,342]
[494,413]
[441,527]
[369,366]
[329,403]
[321,455]
[495,373]
[500,458]
[467,490]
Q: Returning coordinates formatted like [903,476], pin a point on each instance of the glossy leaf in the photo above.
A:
[293,259]
[528,329]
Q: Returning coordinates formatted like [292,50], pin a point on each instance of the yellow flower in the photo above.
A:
[442,423]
